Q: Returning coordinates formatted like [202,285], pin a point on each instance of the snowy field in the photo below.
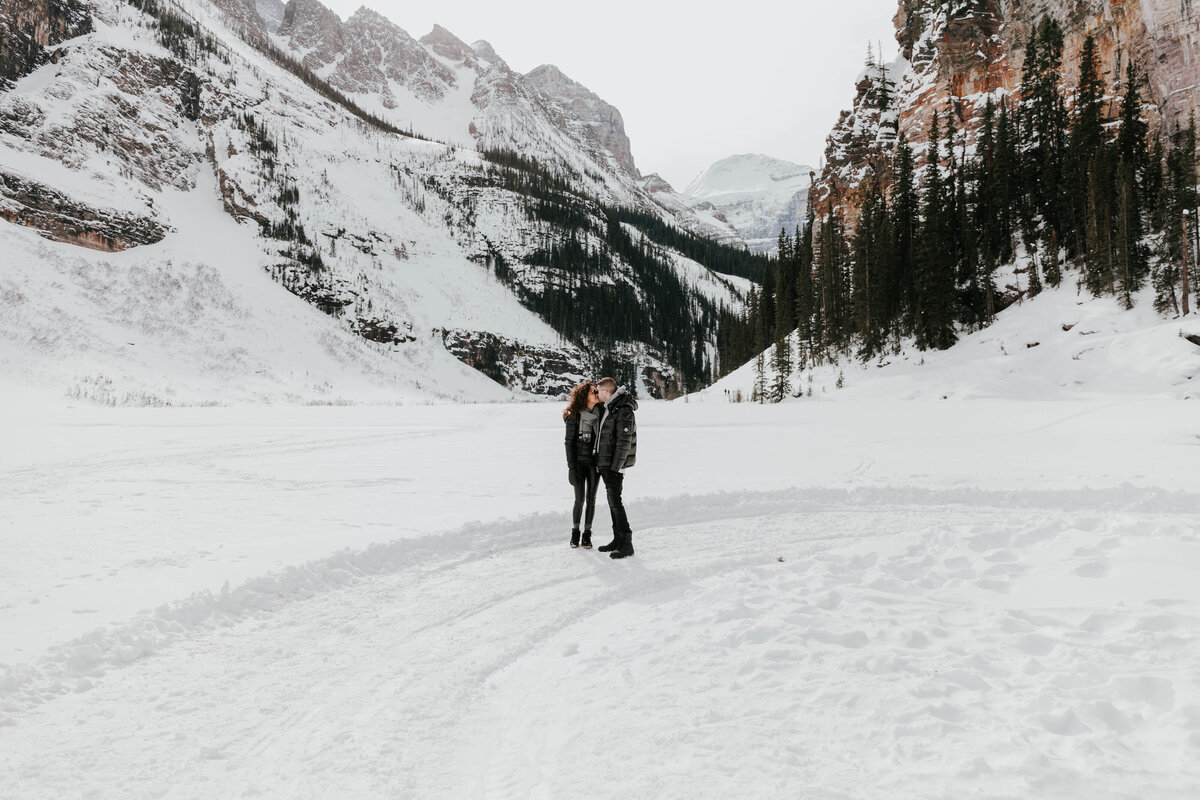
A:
[923,599]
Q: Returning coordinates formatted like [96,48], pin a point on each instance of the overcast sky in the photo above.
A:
[694,85]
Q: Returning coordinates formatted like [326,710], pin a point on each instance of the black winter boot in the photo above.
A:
[586,544]
[575,537]
[615,544]
[625,550]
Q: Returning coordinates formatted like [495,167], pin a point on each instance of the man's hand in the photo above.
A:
[573,476]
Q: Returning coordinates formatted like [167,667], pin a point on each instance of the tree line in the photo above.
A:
[1051,186]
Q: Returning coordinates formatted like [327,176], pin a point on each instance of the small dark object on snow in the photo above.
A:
[1193,338]
[780,559]
[1032,344]
[1067,327]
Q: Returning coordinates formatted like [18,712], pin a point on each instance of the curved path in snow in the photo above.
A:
[876,642]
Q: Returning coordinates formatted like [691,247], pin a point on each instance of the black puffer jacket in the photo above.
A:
[581,437]
[616,447]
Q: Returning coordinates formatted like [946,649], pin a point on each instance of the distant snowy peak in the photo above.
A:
[365,54]
[444,88]
[445,44]
[758,195]
[485,51]
[749,173]
[315,31]
[603,118]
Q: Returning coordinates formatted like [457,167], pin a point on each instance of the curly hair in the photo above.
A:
[579,399]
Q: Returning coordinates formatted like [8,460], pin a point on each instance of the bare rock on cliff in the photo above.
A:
[30,28]
[604,119]
[955,55]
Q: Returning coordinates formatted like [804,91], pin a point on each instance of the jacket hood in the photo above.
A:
[620,398]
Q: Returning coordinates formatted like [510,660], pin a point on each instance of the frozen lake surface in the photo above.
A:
[924,599]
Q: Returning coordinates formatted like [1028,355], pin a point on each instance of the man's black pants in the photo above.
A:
[613,483]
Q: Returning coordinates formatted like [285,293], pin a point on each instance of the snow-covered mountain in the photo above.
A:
[435,210]
[758,195]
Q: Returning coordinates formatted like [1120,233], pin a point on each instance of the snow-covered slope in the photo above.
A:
[426,252]
[758,195]
[1061,345]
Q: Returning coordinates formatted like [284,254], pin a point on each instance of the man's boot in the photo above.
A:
[615,544]
[625,550]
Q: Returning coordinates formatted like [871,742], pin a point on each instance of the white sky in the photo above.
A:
[694,84]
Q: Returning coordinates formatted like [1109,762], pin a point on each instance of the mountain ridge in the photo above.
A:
[396,239]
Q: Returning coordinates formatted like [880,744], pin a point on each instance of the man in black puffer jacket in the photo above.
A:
[616,451]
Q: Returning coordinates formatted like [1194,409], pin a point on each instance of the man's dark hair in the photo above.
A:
[607,383]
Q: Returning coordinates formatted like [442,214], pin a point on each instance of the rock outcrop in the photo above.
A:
[29,28]
[551,371]
[64,219]
[954,55]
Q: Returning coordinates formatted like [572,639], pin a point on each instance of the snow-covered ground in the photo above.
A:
[857,599]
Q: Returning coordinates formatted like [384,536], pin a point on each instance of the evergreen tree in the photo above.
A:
[935,267]
[832,282]
[1086,138]
[987,202]
[869,271]
[1043,124]
[804,288]
[1006,174]
[1089,173]
[759,393]
[781,364]
[1130,256]
[785,286]
[1154,183]
[906,230]
[1180,195]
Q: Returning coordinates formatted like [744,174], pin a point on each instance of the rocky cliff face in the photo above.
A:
[62,218]
[30,28]
[463,94]
[955,54]
[603,120]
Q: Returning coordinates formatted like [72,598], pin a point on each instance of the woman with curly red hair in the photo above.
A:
[581,422]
